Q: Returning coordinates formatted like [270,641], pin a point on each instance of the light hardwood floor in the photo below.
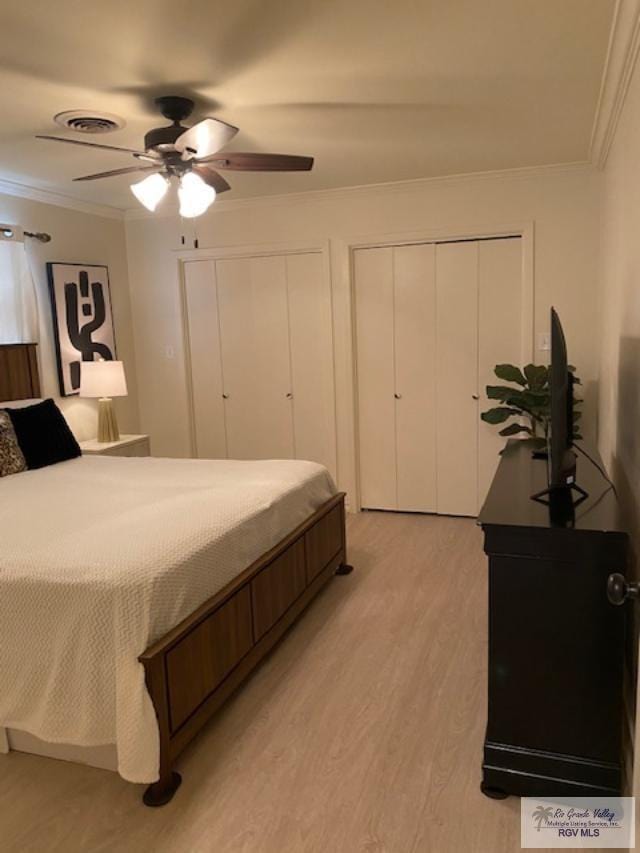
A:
[372,710]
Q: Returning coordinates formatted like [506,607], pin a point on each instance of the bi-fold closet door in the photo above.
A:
[396,364]
[261,361]
[432,320]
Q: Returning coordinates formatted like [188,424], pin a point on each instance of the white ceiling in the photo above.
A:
[376,90]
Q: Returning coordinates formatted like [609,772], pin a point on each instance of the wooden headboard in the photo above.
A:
[19,379]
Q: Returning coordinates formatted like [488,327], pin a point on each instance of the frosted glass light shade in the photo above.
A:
[195,196]
[150,191]
[102,379]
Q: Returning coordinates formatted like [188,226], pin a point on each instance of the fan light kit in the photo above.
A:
[151,190]
[188,154]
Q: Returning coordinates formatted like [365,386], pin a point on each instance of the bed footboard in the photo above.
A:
[193,669]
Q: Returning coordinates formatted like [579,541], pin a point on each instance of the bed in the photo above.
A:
[137,594]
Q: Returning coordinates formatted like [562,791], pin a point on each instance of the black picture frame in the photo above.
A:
[80,292]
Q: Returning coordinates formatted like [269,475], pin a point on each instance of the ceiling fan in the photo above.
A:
[190,155]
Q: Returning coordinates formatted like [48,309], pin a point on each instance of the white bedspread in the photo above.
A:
[101,556]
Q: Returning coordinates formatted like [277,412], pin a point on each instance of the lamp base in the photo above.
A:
[107,423]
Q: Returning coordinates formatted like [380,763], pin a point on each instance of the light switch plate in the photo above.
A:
[544,341]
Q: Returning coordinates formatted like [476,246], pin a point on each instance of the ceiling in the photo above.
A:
[376,90]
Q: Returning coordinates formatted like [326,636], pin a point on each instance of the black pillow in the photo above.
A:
[43,434]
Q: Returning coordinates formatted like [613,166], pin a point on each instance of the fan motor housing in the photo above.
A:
[163,138]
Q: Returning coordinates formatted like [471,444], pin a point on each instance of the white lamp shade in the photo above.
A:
[102,379]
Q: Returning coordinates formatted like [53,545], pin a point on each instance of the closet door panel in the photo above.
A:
[273,414]
[203,335]
[252,300]
[457,377]
[500,338]
[238,356]
[415,385]
[311,359]
[375,377]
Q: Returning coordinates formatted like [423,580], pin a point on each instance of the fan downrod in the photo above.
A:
[175,108]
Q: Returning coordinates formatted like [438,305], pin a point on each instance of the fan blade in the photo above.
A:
[204,138]
[115,172]
[211,177]
[89,144]
[150,158]
[260,162]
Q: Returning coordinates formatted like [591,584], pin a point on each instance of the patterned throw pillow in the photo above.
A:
[12,460]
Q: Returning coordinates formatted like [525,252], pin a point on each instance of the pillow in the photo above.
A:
[11,457]
[43,434]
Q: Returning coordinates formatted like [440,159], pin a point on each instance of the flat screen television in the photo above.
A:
[562,460]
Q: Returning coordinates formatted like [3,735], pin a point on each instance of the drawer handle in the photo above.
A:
[289,396]
[398,396]
[619,591]
[225,396]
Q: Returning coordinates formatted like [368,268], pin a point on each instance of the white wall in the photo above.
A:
[77,237]
[562,203]
[619,409]
[619,328]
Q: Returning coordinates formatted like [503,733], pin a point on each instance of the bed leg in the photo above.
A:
[162,791]
[344,569]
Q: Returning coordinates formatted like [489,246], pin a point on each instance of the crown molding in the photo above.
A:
[622,53]
[58,199]
[363,190]
[44,196]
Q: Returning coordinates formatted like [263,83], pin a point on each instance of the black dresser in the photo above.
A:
[556,642]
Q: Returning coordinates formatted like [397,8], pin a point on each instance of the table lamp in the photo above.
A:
[104,380]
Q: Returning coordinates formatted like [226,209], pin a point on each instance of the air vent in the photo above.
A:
[88,121]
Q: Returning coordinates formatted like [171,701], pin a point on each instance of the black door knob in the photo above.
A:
[619,590]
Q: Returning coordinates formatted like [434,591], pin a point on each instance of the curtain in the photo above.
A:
[18,307]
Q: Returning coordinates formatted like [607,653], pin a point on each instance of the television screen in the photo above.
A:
[562,461]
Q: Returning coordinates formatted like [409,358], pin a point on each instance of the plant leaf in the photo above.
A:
[537,376]
[514,429]
[499,415]
[500,392]
[510,373]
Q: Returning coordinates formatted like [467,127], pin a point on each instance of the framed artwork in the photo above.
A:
[82,319]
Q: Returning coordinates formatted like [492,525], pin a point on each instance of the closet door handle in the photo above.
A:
[225,396]
[475,397]
[289,396]
[398,396]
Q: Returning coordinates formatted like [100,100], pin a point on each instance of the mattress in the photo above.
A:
[101,556]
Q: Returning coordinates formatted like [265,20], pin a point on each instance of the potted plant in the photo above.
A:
[527,399]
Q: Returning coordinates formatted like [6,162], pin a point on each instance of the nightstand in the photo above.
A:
[127,445]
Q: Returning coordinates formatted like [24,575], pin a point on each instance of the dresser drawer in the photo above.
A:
[277,586]
[323,542]
[201,661]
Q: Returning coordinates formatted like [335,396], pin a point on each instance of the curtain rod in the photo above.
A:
[13,232]
[42,236]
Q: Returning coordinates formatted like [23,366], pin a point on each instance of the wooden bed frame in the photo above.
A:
[194,668]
